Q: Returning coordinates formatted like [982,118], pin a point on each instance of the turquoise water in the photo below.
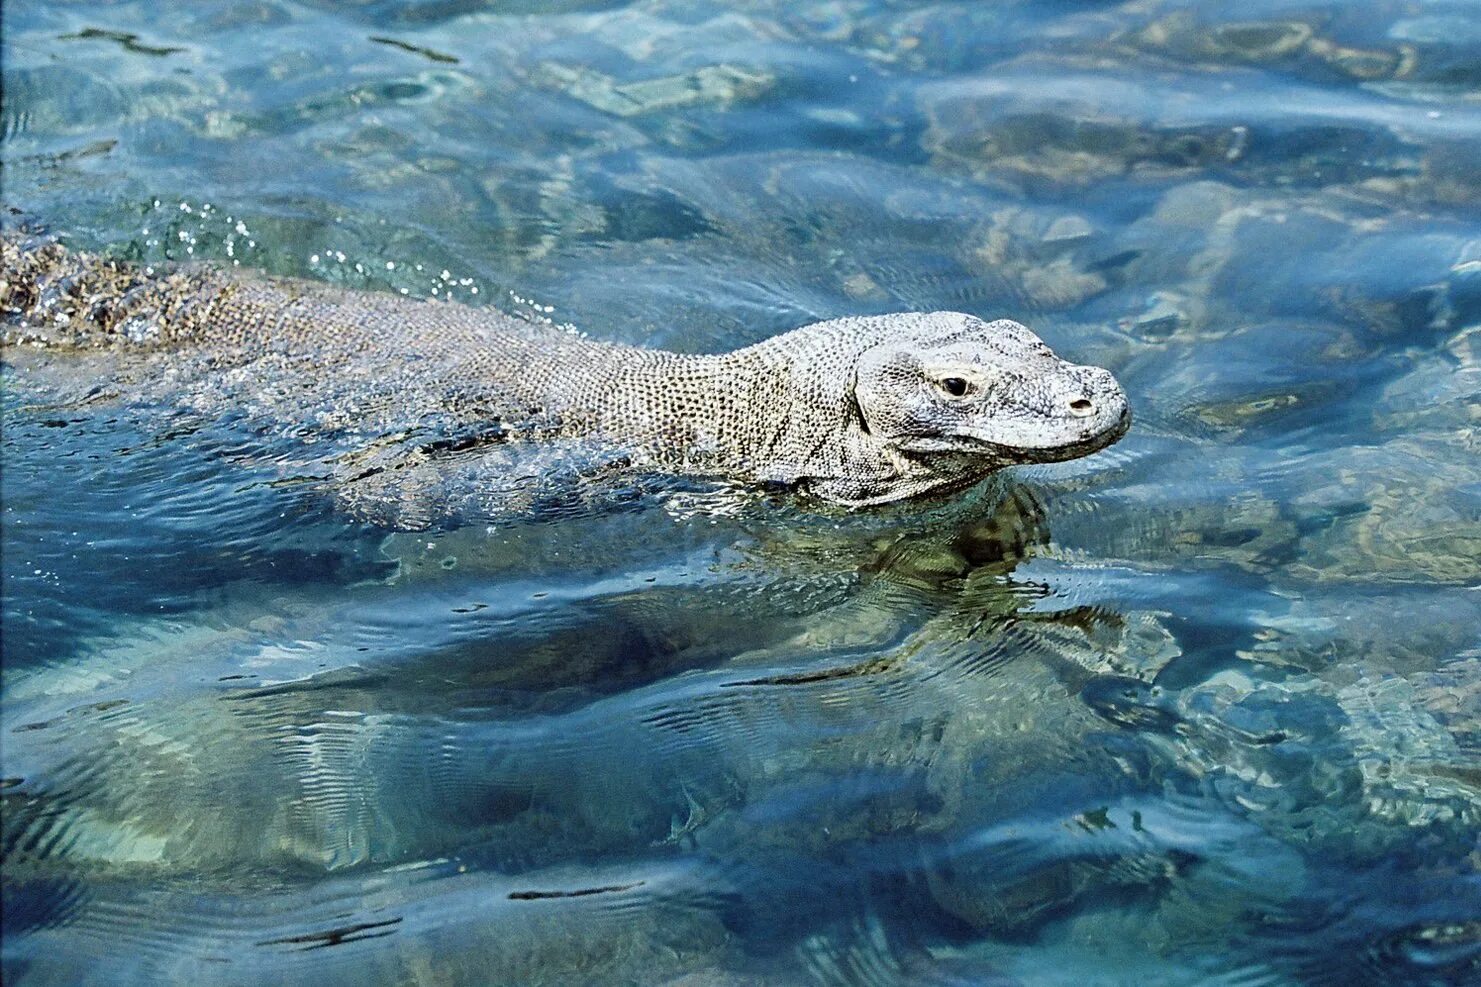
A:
[1202,709]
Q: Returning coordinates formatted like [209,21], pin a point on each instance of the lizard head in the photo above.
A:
[943,398]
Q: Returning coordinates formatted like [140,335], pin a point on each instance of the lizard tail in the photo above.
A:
[54,297]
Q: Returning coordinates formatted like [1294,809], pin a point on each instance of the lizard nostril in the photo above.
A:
[1081,407]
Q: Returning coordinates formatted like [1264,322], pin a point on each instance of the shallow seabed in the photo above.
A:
[1203,709]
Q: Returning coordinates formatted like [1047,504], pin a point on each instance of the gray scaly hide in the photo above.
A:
[856,410]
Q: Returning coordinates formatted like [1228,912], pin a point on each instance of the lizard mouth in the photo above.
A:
[1078,447]
[1007,453]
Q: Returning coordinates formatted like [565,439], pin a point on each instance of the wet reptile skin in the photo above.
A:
[854,410]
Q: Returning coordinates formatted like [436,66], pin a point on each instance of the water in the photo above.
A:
[1203,709]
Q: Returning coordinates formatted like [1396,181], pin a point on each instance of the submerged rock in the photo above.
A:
[717,85]
[1415,771]
[1010,128]
[1042,254]
[1403,511]
[1298,44]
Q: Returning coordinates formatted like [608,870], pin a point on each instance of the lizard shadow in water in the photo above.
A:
[510,723]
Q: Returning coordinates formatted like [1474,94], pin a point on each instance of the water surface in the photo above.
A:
[1203,709]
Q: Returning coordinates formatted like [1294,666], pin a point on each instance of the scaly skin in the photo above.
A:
[855,410]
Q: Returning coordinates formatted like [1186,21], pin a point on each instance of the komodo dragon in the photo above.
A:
[856,411]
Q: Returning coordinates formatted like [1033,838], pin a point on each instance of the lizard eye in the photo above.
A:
[955,386]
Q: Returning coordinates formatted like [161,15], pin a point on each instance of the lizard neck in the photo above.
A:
[749,414]
[708,414]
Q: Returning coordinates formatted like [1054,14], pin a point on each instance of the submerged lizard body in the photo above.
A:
[854,410]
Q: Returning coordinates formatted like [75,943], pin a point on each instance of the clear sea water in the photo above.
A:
[1202,709]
